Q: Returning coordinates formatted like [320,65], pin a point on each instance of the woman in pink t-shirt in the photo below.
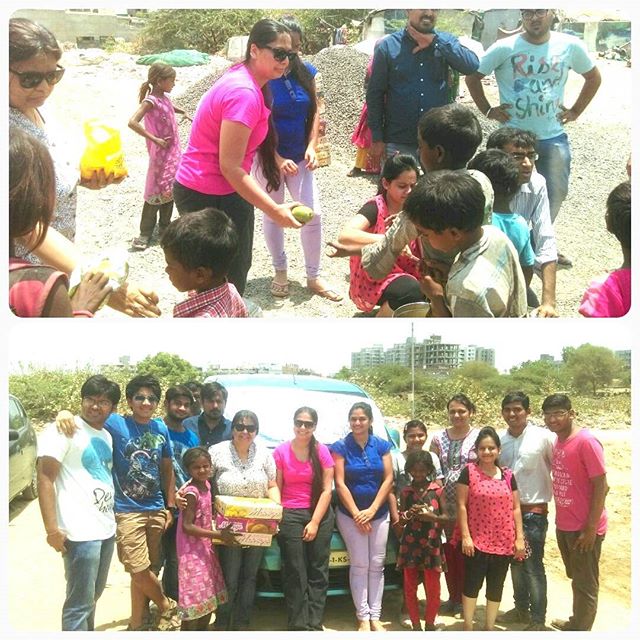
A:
[304,474]
[231,124]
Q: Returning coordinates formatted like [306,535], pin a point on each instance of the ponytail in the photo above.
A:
[317,482]
[145,90]
[267,150]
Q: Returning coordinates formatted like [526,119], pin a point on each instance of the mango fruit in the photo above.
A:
[302,214]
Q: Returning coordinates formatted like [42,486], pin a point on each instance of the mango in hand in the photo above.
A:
[302,214]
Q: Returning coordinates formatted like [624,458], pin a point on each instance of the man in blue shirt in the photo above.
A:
[414,70]
[211,426]
[178,401]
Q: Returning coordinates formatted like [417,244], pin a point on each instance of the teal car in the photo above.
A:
[274,399]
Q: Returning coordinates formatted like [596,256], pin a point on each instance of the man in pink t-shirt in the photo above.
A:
[579,490]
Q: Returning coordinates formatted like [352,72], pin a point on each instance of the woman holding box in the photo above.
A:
[364,478]
[304,475]
[241,468]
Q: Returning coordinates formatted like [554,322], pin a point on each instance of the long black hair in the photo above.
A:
[263,33]
[317,482]
[303,77]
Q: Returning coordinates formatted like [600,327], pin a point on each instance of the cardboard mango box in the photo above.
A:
[247,539]
[248,525]
[235,507]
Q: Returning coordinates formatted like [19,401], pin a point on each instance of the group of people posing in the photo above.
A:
[423,237]
[470,507]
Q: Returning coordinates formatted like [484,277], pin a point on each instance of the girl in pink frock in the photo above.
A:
[200,581]
[163,144]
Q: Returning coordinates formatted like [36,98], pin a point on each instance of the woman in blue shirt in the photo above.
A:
[363,478]
[295,117]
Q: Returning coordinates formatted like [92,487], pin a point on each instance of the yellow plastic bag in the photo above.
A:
[103,151]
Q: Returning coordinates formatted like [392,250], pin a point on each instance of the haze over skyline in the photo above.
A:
[234,343]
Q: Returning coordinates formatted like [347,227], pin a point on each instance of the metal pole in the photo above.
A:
[413,376]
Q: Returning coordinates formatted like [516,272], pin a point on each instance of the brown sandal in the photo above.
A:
[279,290]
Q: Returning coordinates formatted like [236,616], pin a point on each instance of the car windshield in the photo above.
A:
[275,407]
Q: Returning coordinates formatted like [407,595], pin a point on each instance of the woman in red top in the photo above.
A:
[490,525]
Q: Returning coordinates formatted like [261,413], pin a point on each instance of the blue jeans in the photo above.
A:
[391,148]
[554,163]
[86,567]
[528,577]
[170,561]
[240,568]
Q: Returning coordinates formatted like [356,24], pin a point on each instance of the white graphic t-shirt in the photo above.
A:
[531,78]
[84,486]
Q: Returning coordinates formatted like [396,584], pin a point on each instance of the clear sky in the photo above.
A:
[322,345]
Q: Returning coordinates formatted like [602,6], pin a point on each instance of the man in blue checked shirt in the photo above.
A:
[414,70]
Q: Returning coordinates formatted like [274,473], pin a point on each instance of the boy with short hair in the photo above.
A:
[448,137]
[485,280]
[532,203]
[199,248]
[503,173]
[77,500]
[579,490]
[610,296]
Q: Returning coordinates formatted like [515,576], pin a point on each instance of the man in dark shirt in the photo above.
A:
[211,426]
[414,70]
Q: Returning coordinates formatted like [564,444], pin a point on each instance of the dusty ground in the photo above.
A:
[36,580]
[600,139]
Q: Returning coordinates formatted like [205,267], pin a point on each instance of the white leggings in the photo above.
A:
[366,563]
[302,188]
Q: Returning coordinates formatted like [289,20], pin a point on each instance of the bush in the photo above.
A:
[208,30]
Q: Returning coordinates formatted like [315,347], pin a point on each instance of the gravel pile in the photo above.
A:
[343,70]
[600,141]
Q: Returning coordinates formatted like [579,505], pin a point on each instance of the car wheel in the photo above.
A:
[31,492]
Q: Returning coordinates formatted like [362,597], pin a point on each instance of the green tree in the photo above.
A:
[169,368]
[205,30]
[592,367]
[536,377]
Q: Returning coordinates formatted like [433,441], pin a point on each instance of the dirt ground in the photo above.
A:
[108,88]
[36,578]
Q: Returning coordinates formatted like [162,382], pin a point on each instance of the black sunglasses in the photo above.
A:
[32,79]
[142,398]
[249,428]
[281,54]
[307,424]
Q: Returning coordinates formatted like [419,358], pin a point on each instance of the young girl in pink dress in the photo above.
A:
[401,286]
[201,585]
[163,145]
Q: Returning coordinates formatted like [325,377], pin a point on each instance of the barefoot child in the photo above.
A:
[610,296]
[422,511]
[163,145]
[201,585]
[504,176]
[199,248]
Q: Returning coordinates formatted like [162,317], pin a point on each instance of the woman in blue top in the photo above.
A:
[363,478]
[295,117]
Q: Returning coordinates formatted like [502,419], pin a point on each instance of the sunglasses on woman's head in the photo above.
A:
[249,428]
[32,79]
[280,54]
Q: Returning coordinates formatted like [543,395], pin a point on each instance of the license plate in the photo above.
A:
[339,559]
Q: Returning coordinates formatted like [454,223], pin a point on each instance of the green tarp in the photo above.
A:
[176,58]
